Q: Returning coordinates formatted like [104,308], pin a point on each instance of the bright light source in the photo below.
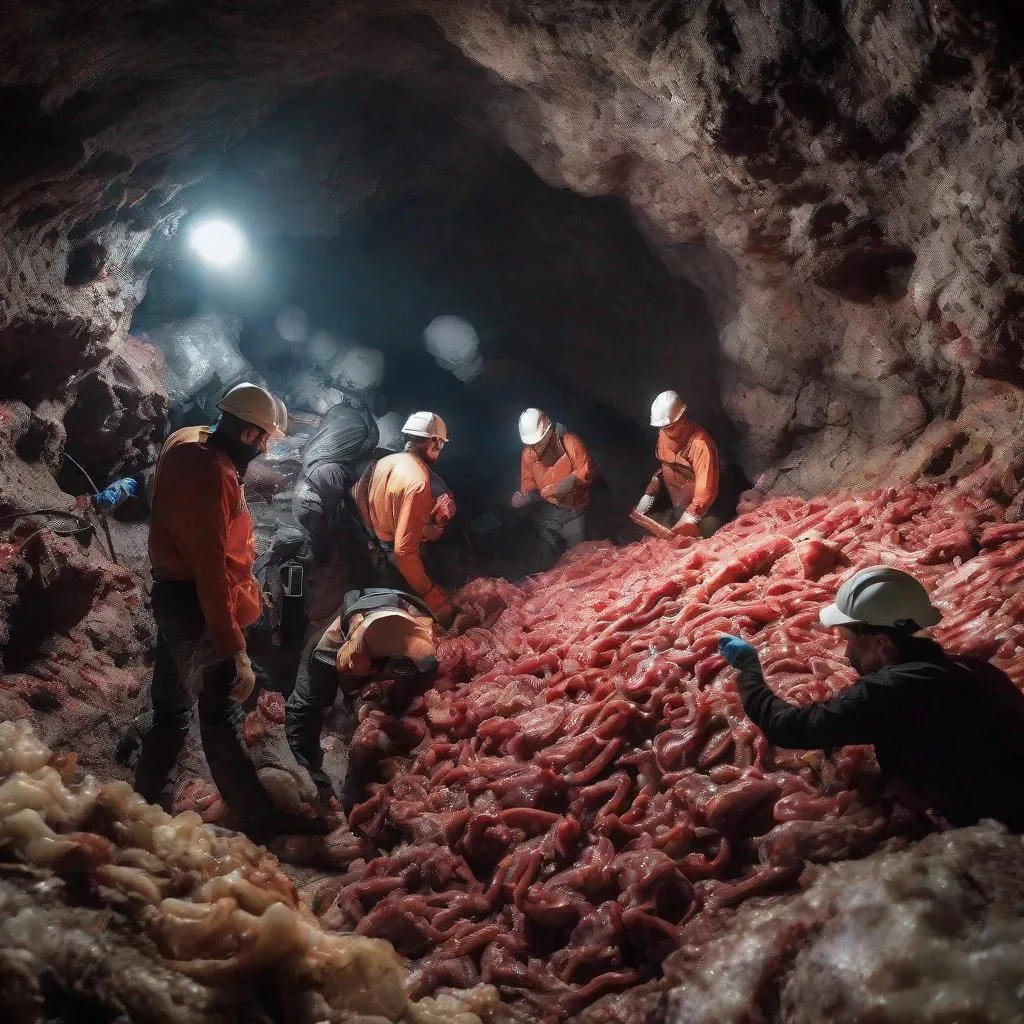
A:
[217,242]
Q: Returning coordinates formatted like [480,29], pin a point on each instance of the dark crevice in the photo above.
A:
[944,459]
[51,602]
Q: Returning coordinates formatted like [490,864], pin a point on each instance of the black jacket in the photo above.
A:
[951,732]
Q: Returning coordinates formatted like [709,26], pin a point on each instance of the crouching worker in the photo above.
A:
[201,547]
[554,480]
[379,634]
[688,475]
[948,732]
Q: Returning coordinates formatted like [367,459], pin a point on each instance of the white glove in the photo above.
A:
[644,505]
[689,517]
[245,678]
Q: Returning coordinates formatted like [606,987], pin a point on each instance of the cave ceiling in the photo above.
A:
[841,182]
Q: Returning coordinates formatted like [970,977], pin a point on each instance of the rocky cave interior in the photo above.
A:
[806,217]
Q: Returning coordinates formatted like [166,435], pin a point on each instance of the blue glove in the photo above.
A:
[116,494]
[732,648]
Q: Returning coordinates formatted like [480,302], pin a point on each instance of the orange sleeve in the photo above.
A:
[527,482]
[579,459]
[413,517]
[210,505]
[704,459]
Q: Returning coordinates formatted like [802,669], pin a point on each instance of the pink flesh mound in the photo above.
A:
[582,781]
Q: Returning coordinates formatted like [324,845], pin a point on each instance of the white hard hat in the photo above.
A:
[881,596]
[666,409]
[256,405]
[534,426]
[426,424]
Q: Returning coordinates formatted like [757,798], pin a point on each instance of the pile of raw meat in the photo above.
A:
[582,782]
[111,909]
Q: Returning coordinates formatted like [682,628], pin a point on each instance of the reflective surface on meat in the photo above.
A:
[582,785]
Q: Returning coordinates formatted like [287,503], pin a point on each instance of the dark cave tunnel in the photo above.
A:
[574,311]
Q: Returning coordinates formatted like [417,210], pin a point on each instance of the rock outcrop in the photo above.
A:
[842,183]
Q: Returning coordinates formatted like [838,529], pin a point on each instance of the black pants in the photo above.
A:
[561,528]
[187,669]
[316,688]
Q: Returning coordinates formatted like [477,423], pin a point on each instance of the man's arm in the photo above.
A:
[413,518]
[704,459]
[212,503]
[859,715]
[654,487]
[579,459]
[527,482]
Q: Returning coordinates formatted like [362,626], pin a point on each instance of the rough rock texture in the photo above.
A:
[74,634]
[875,941]
[843,183]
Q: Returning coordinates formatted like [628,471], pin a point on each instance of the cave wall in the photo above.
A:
[842,181]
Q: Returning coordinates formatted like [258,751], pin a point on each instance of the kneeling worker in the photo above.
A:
[201,547]
[555,479]
[378,634]
[403,503]
[948,732]
[689,466]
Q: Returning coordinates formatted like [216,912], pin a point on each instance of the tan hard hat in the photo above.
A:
[282,414]
[881,596]
[256,405]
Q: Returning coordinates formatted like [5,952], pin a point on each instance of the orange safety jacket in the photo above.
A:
[397,506]
[565,455]
[200,532]
[689,466]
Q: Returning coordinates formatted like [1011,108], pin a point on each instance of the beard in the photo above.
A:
[856,659]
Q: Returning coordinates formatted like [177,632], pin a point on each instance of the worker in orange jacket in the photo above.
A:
[689,466]
[202,549]
[404,503]
[555,476]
